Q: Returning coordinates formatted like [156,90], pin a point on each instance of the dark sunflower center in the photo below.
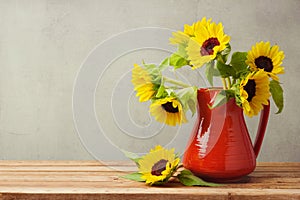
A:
[159,167]
[265,63]
[208,46]
[250,89]
[169,107]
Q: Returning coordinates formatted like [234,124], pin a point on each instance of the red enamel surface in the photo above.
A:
[220,148]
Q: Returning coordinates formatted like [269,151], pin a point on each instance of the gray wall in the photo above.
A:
[43,43]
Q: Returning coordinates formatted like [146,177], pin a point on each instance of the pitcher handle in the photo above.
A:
[264,117]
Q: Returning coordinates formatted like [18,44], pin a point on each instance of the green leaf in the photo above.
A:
[161,92]
[236,93]
[181,51]
[177,61]
[186,172]
[150,67]
[154,71]
[219,100]
[192,106]
[225,70]
[134,177]
[132,156]
[187,178]
[222,98]
[188,98]
[225,53]
[277,95]
[238,63]
[209,72]
[164,64]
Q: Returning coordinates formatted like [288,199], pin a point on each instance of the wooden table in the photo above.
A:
[93,180]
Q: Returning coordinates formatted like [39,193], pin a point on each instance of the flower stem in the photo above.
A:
[224,83]
[233,81]
[229,82]
[175,82]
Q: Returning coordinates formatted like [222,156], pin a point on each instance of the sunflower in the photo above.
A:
[142,83]
[168,110]
[255,92]
[180,37]
[263,56]
[158,166]
[209,40]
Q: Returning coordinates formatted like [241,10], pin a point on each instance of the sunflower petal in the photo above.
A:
[158,165]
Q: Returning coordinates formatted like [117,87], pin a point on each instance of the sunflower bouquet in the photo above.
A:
[251,77]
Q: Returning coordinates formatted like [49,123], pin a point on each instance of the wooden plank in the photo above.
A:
[157,193]
[34,177]
[260,165]
[255,175]
[278,164]
[66,168]
[94,180]
[115,181]
[113,196]
[64,163]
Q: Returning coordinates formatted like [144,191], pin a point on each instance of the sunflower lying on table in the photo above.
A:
[161,166]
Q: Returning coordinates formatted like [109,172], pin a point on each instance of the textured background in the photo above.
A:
[44,42]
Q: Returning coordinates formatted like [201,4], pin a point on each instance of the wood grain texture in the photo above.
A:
[95,180]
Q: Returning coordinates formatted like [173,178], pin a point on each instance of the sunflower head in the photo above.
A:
[209,40]
[180,37]
[266,57]
[168,110]
[189,31]
[254,92]
[158,166]
[142,82]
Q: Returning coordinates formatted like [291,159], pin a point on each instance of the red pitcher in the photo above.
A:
[220,148]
